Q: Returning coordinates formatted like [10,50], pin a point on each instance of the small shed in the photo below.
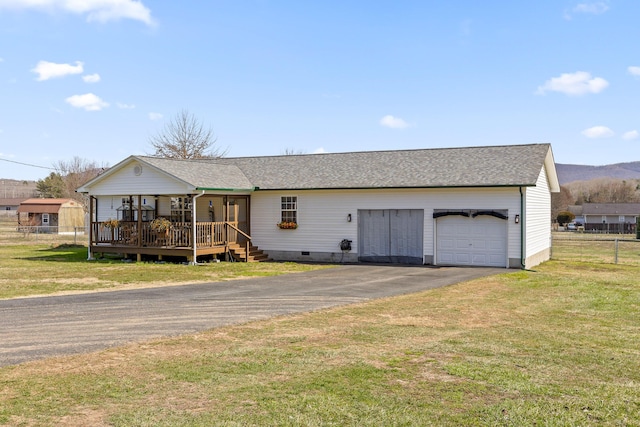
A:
[55,215]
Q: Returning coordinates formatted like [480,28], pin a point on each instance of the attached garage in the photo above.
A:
[391,235]
[473,238]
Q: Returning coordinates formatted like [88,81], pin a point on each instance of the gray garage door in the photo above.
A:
[471,241]
[391,235]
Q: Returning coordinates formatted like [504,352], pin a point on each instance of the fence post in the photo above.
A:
[616,250]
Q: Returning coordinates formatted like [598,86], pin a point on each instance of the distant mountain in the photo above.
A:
[570,173]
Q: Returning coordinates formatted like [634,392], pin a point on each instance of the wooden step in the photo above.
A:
[240,252]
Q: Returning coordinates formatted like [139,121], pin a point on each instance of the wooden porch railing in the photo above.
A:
[208,234]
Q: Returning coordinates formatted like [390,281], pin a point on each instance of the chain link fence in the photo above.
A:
[598,248]
[12,233]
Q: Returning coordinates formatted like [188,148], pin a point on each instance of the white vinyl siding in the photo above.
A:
[150,181]
[538,216]
[322,215]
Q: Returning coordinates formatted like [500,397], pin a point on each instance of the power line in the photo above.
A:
[26,164]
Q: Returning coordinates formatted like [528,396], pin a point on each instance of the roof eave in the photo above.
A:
[552,173]
[426,187]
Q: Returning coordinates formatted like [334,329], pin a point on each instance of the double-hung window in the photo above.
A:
[289,209]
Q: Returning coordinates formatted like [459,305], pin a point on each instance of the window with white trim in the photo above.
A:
[289,209]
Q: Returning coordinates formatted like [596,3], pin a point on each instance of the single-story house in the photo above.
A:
[10,203]
[53,215]
[474,206]
[607,217]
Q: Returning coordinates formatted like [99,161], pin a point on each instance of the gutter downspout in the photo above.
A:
[522,220]
[193,223]
[90,228]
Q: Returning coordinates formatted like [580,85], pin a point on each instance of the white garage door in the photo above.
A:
[471,241]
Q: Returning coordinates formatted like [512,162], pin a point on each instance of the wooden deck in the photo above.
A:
[137,238]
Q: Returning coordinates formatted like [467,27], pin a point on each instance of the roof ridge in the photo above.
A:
[407,150]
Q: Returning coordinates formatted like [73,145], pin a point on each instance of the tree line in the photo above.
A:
[599,190]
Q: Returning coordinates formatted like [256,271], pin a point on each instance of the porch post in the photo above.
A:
[130,208]
[139,231]
[90,227]
[193,227]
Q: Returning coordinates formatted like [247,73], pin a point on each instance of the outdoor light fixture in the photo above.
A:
[517,219]
[348,217]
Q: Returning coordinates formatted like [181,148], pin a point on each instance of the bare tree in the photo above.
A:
[184,137]
[292,152]
[605,190]
[74,173]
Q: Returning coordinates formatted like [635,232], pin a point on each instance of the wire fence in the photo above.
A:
[15,234]
[598,248]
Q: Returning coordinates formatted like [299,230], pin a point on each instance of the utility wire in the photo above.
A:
[26,164]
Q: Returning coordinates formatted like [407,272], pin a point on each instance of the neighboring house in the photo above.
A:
[607,217]
[53,215]
[10,204]
[484,206]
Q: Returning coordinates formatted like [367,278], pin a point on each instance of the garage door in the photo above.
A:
[479,241]
[391,235]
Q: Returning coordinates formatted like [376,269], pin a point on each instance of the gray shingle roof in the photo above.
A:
[611,209]
[203,175]
[512,165]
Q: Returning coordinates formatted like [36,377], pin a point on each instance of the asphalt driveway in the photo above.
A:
[37,328]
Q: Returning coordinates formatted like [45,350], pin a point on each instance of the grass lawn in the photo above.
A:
[558,346]
[44,269]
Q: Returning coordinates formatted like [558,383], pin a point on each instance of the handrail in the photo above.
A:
[238,230]
[247,244]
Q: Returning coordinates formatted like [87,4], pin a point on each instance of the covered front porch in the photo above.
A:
[189,226]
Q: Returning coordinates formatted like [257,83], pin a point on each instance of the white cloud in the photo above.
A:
[88,101]
[320,150]
[631,135]
[91,78]
[49,70]
[634,71]
[393,122]
[95,10]
[598,132]
[578,83]
[125,106]
[155,116]
[592,8]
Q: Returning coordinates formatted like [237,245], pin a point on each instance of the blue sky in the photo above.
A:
[97,78]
